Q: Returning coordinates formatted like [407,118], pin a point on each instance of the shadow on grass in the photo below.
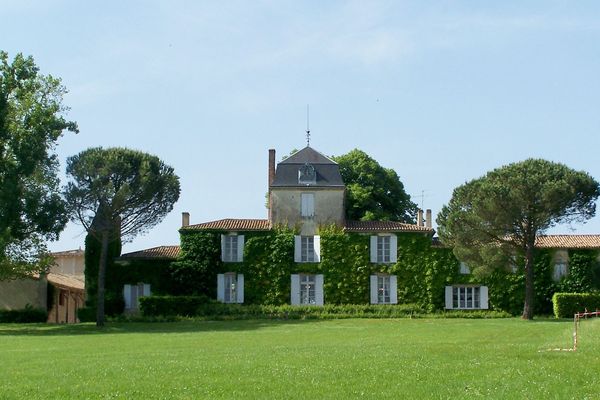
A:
[142,327]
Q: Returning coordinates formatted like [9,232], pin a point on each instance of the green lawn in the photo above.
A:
[369,358]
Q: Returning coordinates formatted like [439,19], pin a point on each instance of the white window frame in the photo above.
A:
[132,294]
[230,287]
[467,297]
[307,249]
[307,289]
[384,289]
[307,205]
[232,247]
[384,249]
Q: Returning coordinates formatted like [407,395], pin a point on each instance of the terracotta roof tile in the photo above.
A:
[384,226]
[155,253]
[68,253]
[568,242]
[231,224]
[66,281]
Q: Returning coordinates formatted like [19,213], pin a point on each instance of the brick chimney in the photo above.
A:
[428,219]
[185,219]
[271,166]
[419,217]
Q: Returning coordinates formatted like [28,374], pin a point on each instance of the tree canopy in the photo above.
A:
[32,118]
[372,191]
[118,193]
[499,216]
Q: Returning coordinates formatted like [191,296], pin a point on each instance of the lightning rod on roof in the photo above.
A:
[307,127]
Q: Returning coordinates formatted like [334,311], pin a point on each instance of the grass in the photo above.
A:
[404,358]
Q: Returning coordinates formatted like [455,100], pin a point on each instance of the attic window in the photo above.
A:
[307,175]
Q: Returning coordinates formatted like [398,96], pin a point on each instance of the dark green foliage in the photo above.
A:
[27,315]
[372,191]
[87,314]
[117,193]
[31,122]
[346,266]
[498,216]
[172,305]
[169,308]
[268,263]
[195,271]
[424,271]
[92,261]
[583,272]
[567,304]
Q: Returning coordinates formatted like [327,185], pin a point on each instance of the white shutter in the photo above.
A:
[448,297]
[483,297]
[295,293]
[221,287]
[223,238]
[319,289]
[297,248]
[373,249]
[147,290]
[311,205]
[127,296]
[393,248]
[240,248]
[317,242]
[373,289]
[240,288]
[393,289]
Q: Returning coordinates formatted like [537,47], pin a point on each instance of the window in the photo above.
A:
[132,294]
[232,248]
[230,287]
[467,297]
[307,249]
[384,289]
[464,269]
[384,249]
[307,289]
[307,175]
[307,205]
[560,270]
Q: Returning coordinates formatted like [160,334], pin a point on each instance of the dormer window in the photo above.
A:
[307,175]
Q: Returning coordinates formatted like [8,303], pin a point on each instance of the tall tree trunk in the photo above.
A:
[529,288]
[102,278]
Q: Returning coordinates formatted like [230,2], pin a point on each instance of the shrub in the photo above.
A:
[27,315]
[160,308]
[87,314]
[172,305]
[567,304]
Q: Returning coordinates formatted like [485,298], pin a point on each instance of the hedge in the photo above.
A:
[201,306]
[172,305]
[27,315]
[568,304]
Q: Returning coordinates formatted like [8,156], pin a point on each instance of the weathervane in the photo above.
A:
[307,128]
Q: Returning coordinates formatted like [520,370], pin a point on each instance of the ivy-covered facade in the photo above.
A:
[306,252]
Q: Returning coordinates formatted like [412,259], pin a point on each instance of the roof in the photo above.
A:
[232,224]
[308,155]
[556,242]
[568,242]
[66,281]
[155,253]
[68,253]
[327,171]
[384,226]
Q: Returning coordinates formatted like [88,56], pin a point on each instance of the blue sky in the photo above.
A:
[441,92]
